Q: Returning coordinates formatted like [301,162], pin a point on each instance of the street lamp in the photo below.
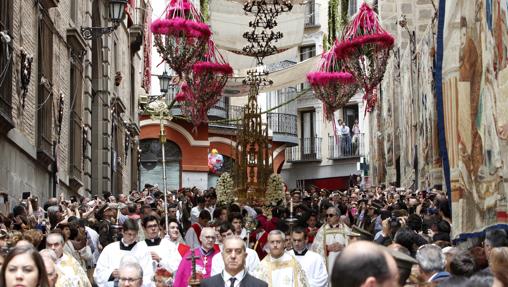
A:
[159,109]
[116,14]
[164,81]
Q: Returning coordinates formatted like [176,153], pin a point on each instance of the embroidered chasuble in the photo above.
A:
[284,271]
[327,235]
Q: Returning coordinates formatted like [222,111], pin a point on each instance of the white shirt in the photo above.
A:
[210,209]
[111,258]
[239,277]
[251,262]
[167,251]
[344,130]
[314,266]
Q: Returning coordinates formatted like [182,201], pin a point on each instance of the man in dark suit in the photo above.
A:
[234,275]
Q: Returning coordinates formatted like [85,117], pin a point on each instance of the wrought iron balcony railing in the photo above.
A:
[346,146]
[309,149]
[280,123]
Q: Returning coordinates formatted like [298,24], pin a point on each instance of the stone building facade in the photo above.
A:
[404,138]
[414,144]
[68,107]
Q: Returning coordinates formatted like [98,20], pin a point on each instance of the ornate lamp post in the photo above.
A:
[160,110]
[116,14]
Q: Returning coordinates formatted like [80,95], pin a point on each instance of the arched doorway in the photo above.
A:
[151,164]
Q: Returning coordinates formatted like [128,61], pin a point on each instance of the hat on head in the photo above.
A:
[362,233]
[112,206]
[404,262]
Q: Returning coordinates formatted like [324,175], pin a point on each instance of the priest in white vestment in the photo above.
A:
[331,238]
[107,270]
[226,230]
[312,263]
[279,268]
[163,251]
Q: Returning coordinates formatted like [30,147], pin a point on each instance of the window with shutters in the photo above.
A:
[76,124]
[6,57]
[45,90]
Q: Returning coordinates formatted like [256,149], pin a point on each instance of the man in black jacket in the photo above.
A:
[234,274]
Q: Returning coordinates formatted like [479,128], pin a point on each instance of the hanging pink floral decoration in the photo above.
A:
[203,86]
[332,84]
[365,48]
[180,35]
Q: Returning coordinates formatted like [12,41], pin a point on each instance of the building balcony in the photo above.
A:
[308,150]
[231,116]
[346,147]
[283,127]
[219,110]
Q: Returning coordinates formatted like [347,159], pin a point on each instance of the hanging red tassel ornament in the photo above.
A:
[365,48]
[180,36]
[203,86]
[332,84]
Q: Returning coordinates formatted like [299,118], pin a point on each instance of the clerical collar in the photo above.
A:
[300,253]
[129,247]
[206,253]
[153,242]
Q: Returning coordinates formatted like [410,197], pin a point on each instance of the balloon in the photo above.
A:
[215,161]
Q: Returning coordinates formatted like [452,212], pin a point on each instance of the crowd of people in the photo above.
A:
[385,236]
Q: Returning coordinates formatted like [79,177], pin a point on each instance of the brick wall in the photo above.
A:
[20,170]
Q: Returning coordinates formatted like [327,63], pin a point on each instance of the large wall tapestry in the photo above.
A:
[475,99]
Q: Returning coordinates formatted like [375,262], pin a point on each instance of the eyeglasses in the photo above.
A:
[330,215]
[152,226]
[128,280]
[210,238]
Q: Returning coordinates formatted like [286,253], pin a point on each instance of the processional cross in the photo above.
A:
[194,281]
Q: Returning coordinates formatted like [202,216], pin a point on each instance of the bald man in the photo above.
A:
[364,264]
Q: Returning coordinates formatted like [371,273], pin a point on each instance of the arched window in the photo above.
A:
[151,163]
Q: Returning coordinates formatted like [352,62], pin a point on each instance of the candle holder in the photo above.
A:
[291,221]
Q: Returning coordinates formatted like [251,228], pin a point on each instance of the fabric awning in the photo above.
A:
[284,78]
[228,22]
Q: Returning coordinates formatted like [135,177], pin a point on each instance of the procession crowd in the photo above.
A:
[385,236]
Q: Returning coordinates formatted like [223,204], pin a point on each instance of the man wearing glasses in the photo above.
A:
[203,254]
[131,275]
[331,238]
[163,252]
[107,271]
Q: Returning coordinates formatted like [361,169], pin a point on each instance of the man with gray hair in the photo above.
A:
[279,268]
[234,273]
[331,238]
[70,269]
[131,274]
[431,263]
[49,258]
[204,256]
